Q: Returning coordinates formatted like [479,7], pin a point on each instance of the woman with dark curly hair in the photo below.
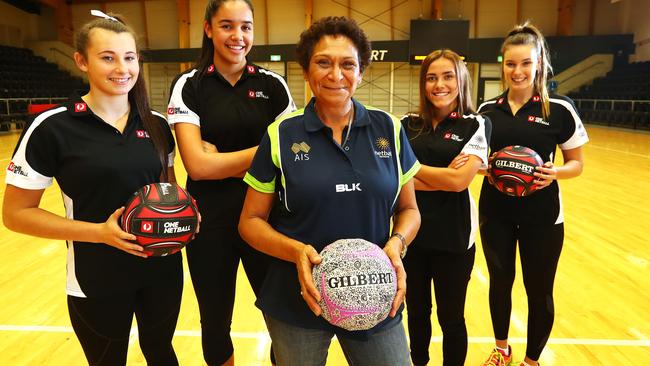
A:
[306,156]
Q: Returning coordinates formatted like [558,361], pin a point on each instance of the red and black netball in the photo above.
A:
[513,169]
[162,216]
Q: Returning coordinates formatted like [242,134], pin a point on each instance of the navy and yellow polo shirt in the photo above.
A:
[449,219]
[328,192]
[232,118]
[98,169]
[528,128]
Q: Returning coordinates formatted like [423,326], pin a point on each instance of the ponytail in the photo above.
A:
[528,34]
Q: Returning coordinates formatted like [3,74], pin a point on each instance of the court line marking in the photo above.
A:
[264,336]
[620,151]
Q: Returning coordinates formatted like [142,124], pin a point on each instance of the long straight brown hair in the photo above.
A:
[138,94]
[528,34]
[464,99]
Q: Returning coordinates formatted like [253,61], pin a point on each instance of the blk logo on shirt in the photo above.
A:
[146,227]
[80,107]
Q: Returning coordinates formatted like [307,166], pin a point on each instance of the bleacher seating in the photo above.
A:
[620,99]
[26,78]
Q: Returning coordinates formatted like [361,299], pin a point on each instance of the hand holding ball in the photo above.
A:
[162,216]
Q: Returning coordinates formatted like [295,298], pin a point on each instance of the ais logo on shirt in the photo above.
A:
[301,151]
[383,148]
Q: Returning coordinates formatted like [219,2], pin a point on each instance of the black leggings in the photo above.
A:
[539,248]
[450,273]
[103,324]
[213,258]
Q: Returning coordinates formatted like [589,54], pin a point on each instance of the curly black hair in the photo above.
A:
[333,26]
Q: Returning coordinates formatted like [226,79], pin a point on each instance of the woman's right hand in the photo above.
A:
[112,234]
[306,260]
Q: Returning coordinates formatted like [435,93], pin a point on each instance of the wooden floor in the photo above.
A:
[602,290]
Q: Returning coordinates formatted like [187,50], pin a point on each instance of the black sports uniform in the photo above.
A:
[443,251]
[233,118]
[535,221]
[95,167]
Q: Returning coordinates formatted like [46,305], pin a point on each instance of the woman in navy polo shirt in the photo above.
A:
[88,145]
[525,114]
[342,170]
[225,104]
[451,142]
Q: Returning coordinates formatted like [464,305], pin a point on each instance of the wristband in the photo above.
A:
[399,236]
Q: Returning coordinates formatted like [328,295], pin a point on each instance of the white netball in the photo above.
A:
[357,283]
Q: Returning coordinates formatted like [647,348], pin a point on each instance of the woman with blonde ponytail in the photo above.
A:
[526,114]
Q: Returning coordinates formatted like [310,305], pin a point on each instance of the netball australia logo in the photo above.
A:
[301,151]
[383,148]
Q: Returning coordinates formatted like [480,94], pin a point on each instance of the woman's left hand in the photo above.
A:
[545,174]
[392,250]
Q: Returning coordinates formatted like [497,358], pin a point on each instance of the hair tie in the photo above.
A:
[523,29]
[99,13]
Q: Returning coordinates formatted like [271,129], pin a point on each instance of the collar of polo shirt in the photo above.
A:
[313,123]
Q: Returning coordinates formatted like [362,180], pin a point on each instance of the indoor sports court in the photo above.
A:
[600,50]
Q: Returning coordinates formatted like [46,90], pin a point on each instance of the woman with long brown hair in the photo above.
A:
[451,142]
[88,145]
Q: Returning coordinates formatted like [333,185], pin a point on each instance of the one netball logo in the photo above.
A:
[80,107]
